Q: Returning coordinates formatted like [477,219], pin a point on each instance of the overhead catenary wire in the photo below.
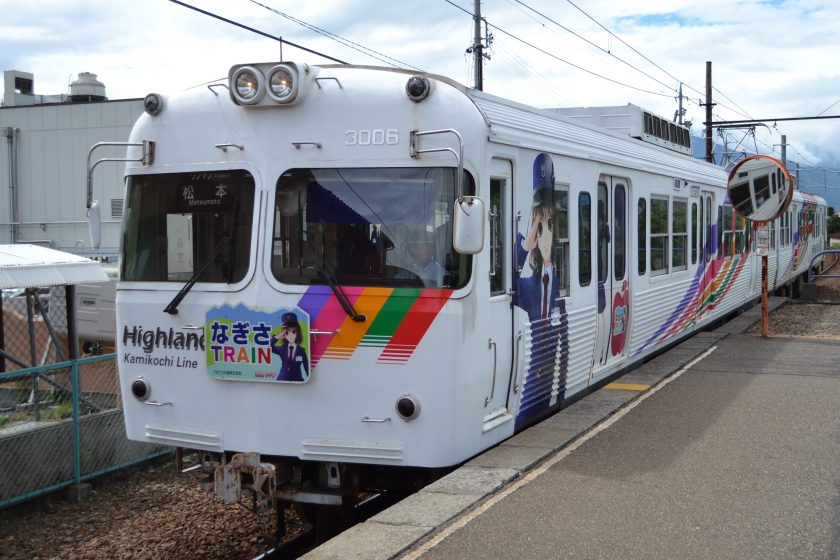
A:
[559,59]
[600,48]
[257,31]
[339,39]
[829,107]
[739,111]
[524,69]
[527,71]
[596,22]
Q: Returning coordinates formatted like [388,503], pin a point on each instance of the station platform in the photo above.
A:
[726,446]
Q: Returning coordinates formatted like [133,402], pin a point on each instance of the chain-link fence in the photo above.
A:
[34,327]
[61,419]
[61,424]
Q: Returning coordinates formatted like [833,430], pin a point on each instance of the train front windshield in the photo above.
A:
[374,226]
[181,225]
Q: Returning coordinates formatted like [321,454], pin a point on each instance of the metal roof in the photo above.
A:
[33,266]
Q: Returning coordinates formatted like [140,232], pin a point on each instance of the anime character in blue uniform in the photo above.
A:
[294,363]
[537,293]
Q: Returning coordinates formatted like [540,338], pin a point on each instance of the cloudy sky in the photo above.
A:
[771,58]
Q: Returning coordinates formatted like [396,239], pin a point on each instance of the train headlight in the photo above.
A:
[141,389]
[153,103]
[282,83]
[270,84]
[408,407]
[247,85]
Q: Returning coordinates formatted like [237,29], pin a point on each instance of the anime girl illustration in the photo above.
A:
[537,292]
[294,363]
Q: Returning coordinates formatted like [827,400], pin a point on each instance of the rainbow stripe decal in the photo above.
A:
[397,320]
[709,286]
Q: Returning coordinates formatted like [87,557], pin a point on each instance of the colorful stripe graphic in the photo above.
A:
[413,326]
[708,288]
[369,304]
[396,321]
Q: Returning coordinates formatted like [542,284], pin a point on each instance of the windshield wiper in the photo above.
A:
[341,297]
[172,308]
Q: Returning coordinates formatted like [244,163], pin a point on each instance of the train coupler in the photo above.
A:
[246,472]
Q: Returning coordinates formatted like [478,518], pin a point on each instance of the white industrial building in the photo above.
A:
[43,159]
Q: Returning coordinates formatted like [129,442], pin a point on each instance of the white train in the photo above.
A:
[303,275]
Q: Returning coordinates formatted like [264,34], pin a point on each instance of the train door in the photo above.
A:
[500,324]
[613,309]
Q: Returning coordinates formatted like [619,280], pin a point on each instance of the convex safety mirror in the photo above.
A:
[760,188]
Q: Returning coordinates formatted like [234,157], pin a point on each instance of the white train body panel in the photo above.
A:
[473,354]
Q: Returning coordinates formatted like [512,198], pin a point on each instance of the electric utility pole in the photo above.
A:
[477,47]
[709,145]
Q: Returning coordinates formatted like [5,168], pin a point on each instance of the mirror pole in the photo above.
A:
[764,311]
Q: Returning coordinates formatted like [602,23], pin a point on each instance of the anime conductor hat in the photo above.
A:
[543,181]
[289,320]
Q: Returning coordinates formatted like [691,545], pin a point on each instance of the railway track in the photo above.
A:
[305,536]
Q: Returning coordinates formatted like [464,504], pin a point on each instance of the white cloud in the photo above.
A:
[769,59]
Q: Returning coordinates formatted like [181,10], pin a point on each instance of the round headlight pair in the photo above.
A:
[281,83]
[249,85]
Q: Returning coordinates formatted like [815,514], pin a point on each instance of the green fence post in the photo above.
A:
[77,462]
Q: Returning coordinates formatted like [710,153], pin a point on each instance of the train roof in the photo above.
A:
[516,124]
[510,122]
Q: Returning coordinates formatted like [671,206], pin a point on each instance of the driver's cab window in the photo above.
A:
[367,226]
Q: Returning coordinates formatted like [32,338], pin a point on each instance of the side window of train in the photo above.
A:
[791,215]
[781,234]
[720,251]
[497,253]
[602,217]
[658,235]
[641,235]
[801,224]
[679,234]
[736,237]
[696,223]
[744,234]
[619,231]
[783,222]
[561,237]
[707,224]
[584,239]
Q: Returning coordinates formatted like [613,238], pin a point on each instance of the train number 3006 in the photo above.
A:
[372,137]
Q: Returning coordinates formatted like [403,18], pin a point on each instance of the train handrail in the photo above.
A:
[147,158]
[814,258]
[414,152]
